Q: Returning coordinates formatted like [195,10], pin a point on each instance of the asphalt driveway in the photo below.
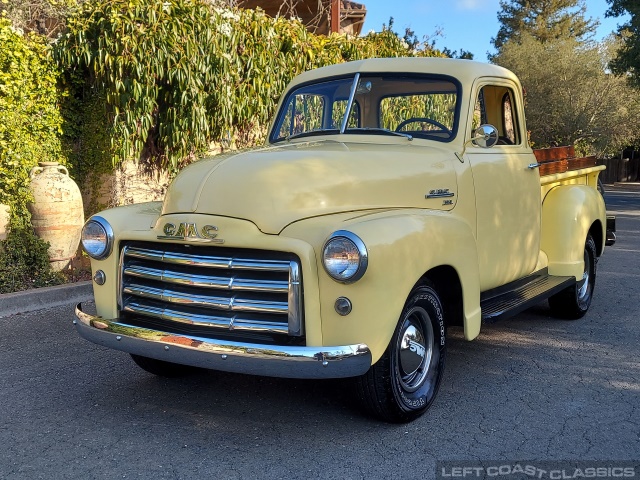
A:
[530,388]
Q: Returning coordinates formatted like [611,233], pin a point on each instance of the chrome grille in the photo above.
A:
[212,287]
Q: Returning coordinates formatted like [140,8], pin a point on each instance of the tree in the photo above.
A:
[544,20]
[570,96]
[460,54]
[627,60]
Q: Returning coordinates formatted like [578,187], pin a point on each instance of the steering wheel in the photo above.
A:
[425,120]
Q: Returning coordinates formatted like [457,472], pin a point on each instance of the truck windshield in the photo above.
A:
[419,106]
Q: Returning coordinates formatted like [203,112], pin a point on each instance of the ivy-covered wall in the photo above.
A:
[178,75]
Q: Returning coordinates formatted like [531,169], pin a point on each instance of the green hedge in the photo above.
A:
[31,126]
[30,131]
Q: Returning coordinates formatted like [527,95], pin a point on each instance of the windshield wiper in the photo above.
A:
[385,131]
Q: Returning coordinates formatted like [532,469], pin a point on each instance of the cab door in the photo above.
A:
[507,191]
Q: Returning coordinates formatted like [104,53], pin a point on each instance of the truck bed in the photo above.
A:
[560,165]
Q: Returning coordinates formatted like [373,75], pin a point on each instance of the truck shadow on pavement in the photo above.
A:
[530,366]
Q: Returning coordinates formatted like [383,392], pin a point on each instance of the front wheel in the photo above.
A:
[573,302]
[402,385]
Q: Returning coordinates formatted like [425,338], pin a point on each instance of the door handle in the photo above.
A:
[533,165]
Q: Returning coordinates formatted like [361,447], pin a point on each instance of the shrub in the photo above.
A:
[24,262]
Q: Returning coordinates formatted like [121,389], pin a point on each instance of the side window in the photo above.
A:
[495,105]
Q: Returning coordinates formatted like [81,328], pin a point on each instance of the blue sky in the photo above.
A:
[467,24]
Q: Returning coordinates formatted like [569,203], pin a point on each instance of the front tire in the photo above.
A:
[160,367]
[573,302]
[402,385]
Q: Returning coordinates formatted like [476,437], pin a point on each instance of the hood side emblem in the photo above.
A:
[439,193]
[190,232]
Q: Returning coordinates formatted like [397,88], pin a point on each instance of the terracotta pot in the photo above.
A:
[56,214]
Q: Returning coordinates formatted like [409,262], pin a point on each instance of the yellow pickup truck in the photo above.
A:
[395,198]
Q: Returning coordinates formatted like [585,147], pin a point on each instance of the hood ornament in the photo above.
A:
[190,232]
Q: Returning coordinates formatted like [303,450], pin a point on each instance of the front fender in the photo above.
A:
[402,246]
[138,218]
[568,212]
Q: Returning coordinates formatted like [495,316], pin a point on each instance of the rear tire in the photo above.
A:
[573,302]
[402,385]
[161,368]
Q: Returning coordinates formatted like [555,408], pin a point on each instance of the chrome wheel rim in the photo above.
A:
[416,343]
[583,285]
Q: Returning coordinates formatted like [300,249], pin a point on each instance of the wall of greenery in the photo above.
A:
[176,76]
[97,82]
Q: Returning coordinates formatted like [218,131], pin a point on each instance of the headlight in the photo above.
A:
[344,257]
[97,238]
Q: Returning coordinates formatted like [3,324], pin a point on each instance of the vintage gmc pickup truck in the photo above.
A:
[395,198]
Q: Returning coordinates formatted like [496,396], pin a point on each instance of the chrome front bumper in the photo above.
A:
[254,359]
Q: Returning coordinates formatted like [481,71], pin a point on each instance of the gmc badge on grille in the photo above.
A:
[190,231]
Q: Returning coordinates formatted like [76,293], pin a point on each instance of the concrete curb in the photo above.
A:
[47,297]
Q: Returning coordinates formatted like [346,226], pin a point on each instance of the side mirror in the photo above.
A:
[485,136]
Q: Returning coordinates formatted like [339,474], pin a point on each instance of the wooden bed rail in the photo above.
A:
[561,159]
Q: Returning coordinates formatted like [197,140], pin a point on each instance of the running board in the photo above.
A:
[513,298]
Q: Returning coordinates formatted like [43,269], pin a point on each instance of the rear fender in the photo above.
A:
[568,214]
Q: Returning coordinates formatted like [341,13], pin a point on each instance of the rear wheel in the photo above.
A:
[573,302]
[402,385]
[160,367]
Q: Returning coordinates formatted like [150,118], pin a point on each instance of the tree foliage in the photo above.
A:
[627,59]
[570,96]
[461,54]
[545,20]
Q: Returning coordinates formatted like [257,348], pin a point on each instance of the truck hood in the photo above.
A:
[275,186]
